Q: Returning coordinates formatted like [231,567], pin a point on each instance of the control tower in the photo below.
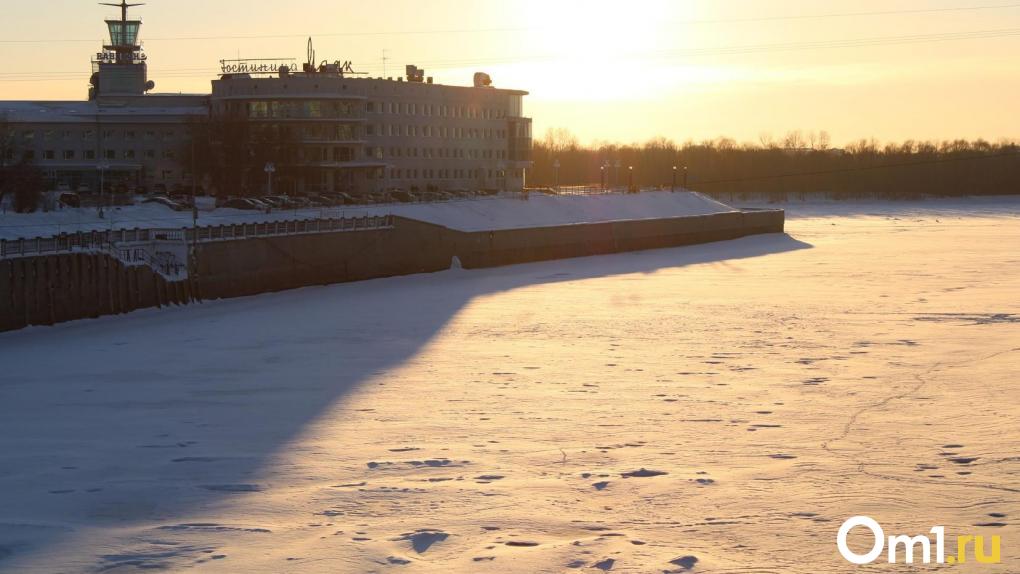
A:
[120,69]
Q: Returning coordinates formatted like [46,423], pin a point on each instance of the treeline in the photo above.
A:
[794,166]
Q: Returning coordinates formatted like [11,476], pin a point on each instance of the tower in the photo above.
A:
[120,69]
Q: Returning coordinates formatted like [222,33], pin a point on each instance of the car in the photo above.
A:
[166,202]
[298,202]
[321,201]
[402,196]
[70,199]
[275,201]
[183,199]
[243,203]
[346,198]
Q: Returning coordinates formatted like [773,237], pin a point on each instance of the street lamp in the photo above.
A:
[270,169]
[674,179]
[630,187]
[616,180]
[685,177]
[556,166]
[102,167]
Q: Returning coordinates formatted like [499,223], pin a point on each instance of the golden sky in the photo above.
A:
[605,70]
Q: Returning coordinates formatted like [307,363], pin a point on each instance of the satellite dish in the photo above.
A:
[150,85]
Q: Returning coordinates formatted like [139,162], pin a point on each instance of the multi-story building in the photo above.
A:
[337,131]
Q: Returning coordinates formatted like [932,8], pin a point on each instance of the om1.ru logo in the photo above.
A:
[909,544]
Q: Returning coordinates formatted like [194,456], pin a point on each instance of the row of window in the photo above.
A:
[445,173]
[447,153]
[436,110]
[347,154]
[308,109]
[453,132]
[90,154]
[46,135]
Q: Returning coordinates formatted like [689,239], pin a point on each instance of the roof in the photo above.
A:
[88,112]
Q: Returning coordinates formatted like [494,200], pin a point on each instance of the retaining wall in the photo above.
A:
[45,290]
[51,289]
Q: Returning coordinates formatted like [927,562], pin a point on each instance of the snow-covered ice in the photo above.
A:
[717,408]
[476,214]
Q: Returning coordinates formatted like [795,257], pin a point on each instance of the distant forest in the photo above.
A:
[797,165]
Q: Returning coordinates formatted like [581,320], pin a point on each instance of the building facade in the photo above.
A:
[335,131]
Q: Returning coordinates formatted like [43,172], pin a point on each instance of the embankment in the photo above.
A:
[49,289]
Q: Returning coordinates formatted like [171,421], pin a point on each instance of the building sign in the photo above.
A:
[261,66]
[120,58]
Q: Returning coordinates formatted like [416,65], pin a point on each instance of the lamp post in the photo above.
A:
[602,177]
[556,167]
[685,177]
[674,179]
[270,169]
[102,167]
[616,180]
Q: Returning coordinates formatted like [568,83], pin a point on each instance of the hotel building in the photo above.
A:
[341,132]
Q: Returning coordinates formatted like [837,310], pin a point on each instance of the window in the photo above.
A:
[129,154]
[150,154]
[68,154]
[90,154]
[110,154]
[87,134]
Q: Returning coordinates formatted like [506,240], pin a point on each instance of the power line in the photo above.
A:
[878,41]
[537,29]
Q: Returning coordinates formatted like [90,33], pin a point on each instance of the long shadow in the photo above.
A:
[135,420]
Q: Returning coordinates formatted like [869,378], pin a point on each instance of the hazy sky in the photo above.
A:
[612,70]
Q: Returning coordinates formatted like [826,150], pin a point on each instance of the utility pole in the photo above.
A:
[270,169]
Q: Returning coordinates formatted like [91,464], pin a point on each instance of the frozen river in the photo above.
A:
[719,408]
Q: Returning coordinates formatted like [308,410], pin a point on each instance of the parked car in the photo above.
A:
[166,202]
[276,201]
[183,199]
[298,202]
[321,201]
[402,196]
[70,199]
[243,203]
[346,198]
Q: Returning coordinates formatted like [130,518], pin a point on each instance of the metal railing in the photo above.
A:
[121,239]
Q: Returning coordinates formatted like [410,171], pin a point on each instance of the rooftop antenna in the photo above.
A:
[384,60]
[123,8]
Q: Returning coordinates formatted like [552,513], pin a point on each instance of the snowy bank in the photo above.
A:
[482,214]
